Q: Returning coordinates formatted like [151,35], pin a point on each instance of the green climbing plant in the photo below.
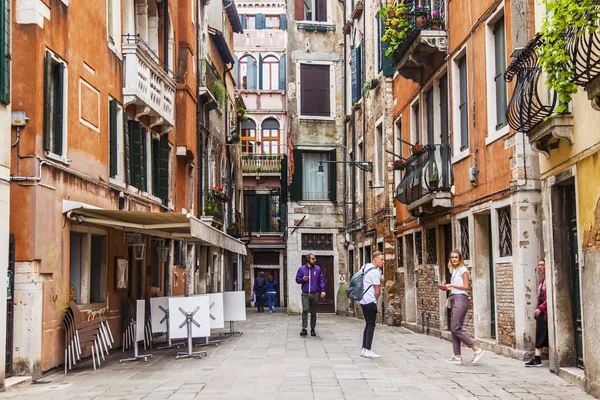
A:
[396,26]
[561,17]
[219,92]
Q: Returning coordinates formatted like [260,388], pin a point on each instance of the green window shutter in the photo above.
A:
[155,167]
[144,163]
[112,112]
[500,65]
[165,154]
[137,156]
[333,184]
[5,56]
[296,187]
[284,179]
[126,141]
[58,109]
[47,99]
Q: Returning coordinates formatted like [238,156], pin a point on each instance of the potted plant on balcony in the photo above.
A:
[241,113]
[436,21]
[398,164]
[347,27]
[396,26]
[433,179]
[358,9]
[421,13]
[218,192]
[417,148]
[211,208]
[219,92]
[233,229]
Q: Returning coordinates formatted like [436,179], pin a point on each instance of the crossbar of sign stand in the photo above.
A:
[182,319]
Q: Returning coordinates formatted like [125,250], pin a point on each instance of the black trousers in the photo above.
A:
[260,302]
[370,313]
[541,332]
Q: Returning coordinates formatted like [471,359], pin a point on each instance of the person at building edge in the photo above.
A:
[372,291]
[260,290]
[310,277]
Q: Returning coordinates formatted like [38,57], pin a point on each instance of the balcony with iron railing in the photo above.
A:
[261,164]
[426,181]
[532,107]
[209,84]
[148,83]
[426,37]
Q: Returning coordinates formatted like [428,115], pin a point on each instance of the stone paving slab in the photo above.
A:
[271,361]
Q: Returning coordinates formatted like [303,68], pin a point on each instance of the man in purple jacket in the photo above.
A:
[310,277]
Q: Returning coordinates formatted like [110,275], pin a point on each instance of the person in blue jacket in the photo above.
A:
[271,293]
[260,291]
[310,277]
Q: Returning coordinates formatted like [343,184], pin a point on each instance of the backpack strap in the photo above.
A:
[366,272]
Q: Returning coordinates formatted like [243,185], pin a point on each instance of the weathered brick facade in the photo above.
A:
[505,305]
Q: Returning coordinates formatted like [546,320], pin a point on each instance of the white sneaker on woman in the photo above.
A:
[477,356]
[362,352]
[370,354]
[454,360]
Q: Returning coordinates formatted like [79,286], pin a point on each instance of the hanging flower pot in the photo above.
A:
[398,164]
[391,12]
[358,9]
[417,148]
[347,27]
[421,22]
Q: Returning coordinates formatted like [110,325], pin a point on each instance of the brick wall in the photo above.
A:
[401,294]
[505,305]
[428,298]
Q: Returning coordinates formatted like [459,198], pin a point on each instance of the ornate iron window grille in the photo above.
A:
[505,234]
[266,258]
[526,109]
[465,248]
[431,246]
[425,172]
[317,241]
[419,247]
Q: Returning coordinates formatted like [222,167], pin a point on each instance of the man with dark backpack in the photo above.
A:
[371,283]
[260,290]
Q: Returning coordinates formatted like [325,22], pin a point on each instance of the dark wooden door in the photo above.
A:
[492,284]
[327,305]
[275,274]
[10,306]
[574,258]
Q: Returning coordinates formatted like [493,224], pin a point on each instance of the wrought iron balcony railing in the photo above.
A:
[526,109]
[261,163]
[426,172]
[208,78]
[584,49]
[425,16]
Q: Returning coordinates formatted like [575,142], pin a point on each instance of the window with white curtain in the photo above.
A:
[270,77]
[315,186]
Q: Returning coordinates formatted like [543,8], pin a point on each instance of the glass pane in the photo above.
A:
[314,186]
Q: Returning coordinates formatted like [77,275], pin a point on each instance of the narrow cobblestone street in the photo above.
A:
[271,361]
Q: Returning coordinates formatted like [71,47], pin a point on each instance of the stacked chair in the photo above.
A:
[94,335]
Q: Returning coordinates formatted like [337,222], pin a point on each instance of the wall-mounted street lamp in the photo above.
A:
[363,165]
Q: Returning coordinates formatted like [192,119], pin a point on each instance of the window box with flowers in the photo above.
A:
[421,14]
[396,27]
[233,229]
[218,193]
[436,21]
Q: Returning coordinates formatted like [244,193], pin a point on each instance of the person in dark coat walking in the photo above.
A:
[541,319]
[260,291]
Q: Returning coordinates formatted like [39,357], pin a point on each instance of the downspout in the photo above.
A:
[345,139]
[228,164]
[166,35]
[199,136]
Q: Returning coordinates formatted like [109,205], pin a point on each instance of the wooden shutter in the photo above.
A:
[321,10]
[165,153]
[126,141]
[144,162]
[323,96]
[299,10]
[282,21]
[243,21]
[47,100]
[236,66]
[155,151]
[112,118]
[307,102]
[445,132]
[5,56]
[284,179]
[138,167]
[58,109]
[333,183]
[354,74]
[282,72]
[260,21]
[464,116]
[500,65]
[296,187]
[260,72]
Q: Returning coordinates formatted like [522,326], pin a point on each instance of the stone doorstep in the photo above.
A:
[575,376]
[15,381]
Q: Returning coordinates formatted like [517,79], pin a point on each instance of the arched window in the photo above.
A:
[270,136]
[270,73]
[247,73]
[248,136]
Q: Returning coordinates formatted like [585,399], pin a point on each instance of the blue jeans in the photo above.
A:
[272,297]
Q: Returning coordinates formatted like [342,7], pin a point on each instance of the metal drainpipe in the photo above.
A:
[166,35]
[228,163]
[345,135]
[199,136]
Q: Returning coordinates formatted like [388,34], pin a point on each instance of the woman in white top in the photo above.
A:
[459,287]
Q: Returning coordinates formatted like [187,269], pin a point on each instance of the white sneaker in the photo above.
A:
[370,354]
[477,356]
[362,352]
[454,360]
